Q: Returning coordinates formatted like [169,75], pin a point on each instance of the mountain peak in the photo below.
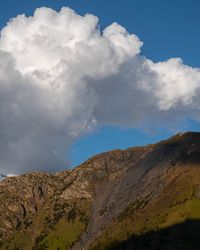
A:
[186,135]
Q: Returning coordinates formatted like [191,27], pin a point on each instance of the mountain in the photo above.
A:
[138,198]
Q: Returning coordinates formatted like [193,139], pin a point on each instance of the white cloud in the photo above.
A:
[60,76]
[175,83]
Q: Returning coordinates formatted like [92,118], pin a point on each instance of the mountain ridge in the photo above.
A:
[85,207]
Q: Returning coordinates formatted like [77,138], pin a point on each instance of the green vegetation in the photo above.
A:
[67,230]
[56,228]
[64,234]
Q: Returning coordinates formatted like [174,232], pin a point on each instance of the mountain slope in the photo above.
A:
[112,201]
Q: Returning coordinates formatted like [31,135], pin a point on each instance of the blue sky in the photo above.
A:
[167,28]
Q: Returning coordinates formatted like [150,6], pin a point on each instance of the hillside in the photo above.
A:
[138,198]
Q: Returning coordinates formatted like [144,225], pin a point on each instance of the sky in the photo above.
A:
[125,89]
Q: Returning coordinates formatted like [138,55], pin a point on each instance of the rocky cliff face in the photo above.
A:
[107,198]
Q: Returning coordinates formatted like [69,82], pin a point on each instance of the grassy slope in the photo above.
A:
[52,228]
[179,202]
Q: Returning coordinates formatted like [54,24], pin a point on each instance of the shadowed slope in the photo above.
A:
[181,236]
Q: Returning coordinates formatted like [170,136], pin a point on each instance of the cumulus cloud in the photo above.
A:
[61,76]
